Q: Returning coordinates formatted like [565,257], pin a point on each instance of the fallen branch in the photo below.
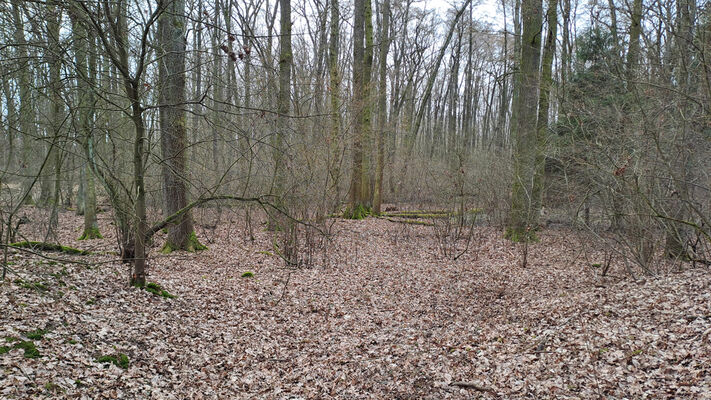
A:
[408,221]
[44,246]
[472,385]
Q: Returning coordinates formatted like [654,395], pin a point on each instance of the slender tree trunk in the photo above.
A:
[283,106]
[56,110]
[26,116]
[367,116]
[335,97]
[86,76]
[544,101]
[383,127]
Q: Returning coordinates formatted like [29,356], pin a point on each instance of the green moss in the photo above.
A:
[91,233]
[517,235]
[157,290]
[192,245]
[53,387]
[359,212]
[4,349]
[72,341]
[50,247]
[29,348]
[90,302]
[195,244]
[248,274]
[31,285]
[120,360]
[596,265]
[37,334]
[12,339]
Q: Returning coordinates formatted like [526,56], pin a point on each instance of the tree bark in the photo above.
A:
[173,123]
[523,217]
[383,127]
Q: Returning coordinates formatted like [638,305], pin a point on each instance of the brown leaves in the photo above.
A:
[387,318]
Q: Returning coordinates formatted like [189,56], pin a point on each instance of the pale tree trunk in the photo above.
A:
[681,163]
[173,122]
[197,94]
[86,76]
[26,115]
[428,90]
[523,217]
[217,95]
[11,122]
[283,104]
[544,101]
[367,113]
[383,127]
[56,110]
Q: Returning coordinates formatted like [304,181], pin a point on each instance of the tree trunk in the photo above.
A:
[523,218]
[383,127]
[86,77]
[358,203]
[544,100]
[283,102]
[335,95]
[173,122]
[26,116]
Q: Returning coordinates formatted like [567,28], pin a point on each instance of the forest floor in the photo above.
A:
[380,316]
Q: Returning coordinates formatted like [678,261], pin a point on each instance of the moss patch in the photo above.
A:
[50,247]
[248,274]
[120,360]
[518,235]
[4,349]
[91,233]
[41,286]
[37,334]
[29,348]
[192,245]
[358,212]
[157,290]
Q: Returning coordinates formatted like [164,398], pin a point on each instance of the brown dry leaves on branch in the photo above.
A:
[384,318]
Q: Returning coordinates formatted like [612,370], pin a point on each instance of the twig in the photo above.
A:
[472,385]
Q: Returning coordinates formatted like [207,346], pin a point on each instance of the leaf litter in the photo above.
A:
[383,317]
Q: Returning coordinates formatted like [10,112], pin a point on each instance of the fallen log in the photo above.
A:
[44,246]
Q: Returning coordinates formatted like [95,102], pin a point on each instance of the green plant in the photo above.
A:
[37,334]
[157,290]
[4,349]
[29,348]
[31,285]
[120,360]
[248,274]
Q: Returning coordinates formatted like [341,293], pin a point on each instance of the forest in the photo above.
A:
[382,199]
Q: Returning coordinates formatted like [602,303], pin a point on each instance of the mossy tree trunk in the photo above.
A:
[335,97]
[523,217]
[173,121]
